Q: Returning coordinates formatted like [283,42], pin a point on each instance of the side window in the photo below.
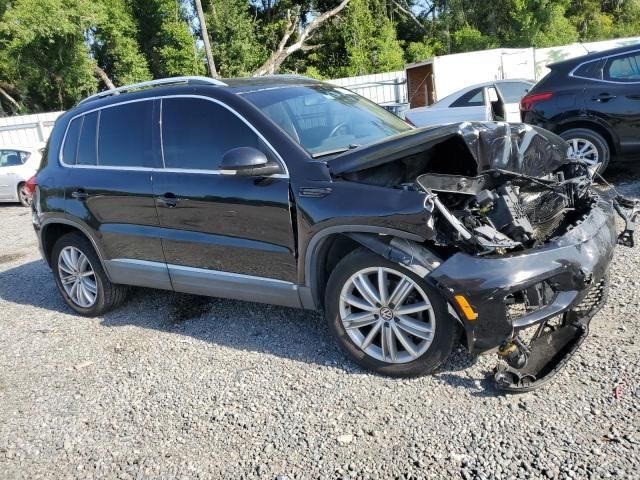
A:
[87,150]
[10,158]
[196,133]
[512,92]
[70,147]
[473,98]
[624,68]
[125,135]
[589,70]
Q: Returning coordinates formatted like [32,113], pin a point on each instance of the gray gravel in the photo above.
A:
[178,386]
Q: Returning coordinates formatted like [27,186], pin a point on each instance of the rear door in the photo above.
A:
[615,98]
[512,93]
[216,226]
[111,153]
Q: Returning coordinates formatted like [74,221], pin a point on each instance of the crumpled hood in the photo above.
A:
[515,147]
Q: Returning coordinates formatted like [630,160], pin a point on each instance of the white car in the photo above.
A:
[17,165]
[497,100]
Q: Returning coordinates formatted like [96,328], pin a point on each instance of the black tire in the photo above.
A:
[604,152]
[109,295]
[446,331]
[25,201]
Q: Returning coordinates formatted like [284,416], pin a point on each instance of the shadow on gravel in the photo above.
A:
[284,332]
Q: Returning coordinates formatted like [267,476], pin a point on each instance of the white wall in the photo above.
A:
[381,88]
[27,130]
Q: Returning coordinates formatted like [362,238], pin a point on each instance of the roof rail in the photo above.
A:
[152,84]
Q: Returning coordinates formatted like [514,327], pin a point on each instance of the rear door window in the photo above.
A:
[125,135]
[11,158]
[473,98]
[623,68]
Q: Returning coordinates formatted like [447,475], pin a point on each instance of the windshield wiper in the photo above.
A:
[334,151]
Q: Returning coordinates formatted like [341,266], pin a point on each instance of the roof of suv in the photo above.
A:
[234,85]
[570,62]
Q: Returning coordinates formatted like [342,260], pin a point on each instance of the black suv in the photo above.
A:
[290,191]
[593,102]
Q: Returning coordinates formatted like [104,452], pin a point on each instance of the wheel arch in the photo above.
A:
[328,246]
[53,229]
[610,137]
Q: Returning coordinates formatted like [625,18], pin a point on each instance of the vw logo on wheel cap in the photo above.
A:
[386,313]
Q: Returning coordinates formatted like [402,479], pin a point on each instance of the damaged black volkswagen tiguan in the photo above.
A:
[289,191]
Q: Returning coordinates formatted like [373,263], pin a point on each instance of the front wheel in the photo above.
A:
[386,318]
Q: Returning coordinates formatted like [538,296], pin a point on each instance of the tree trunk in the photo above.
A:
[283,51]
[9,98]
[104,77]
[205,39]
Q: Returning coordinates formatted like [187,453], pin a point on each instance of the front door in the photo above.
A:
[216,228]
[616,98]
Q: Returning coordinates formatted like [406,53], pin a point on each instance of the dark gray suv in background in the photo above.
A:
[290,191]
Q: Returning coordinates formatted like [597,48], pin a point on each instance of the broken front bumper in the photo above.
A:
[570,265]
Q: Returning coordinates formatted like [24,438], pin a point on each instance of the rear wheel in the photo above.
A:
[80,277]
[23,195]
[589,147]
[386,318]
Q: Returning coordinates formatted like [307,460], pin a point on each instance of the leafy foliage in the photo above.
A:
[54,52]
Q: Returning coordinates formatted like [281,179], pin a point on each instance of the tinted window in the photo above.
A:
[124,139]
[473,98]
[71,142]
[87,151]
[589,70]
[12,158]
[623,68]
[512,92]
[196,133]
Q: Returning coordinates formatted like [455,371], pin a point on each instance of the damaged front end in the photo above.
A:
[522,238]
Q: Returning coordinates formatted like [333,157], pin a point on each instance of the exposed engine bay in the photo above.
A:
[493,187]
[514,227]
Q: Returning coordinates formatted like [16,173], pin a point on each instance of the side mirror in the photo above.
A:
[246,162]
[492,94]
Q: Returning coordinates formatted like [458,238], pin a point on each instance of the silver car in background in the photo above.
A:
[17,165]
[497,100]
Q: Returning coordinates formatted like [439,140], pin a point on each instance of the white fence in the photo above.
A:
[382,88]
[27,130]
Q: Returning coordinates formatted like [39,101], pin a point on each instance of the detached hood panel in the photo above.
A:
[514,147]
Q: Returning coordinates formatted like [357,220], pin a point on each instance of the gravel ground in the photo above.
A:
[176,386]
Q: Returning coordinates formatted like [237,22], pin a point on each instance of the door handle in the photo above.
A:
[80,194]
[603,97]
[168,200]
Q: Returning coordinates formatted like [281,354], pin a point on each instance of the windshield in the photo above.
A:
[325,119]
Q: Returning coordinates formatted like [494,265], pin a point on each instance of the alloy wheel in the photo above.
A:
[77,276]
[24,196]
[585,151]
[387,315]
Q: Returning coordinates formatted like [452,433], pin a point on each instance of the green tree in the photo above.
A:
[166,39]
[115,47]
[43,51]
[235,40]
